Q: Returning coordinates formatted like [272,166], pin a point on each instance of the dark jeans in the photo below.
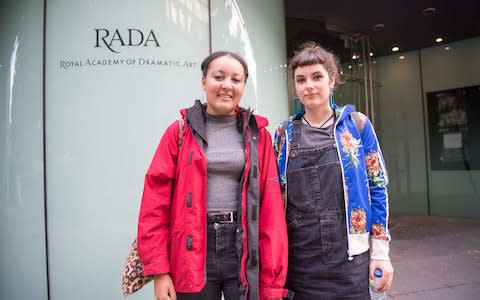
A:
[222,265]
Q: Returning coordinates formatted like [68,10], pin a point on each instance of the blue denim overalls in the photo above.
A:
[318,266]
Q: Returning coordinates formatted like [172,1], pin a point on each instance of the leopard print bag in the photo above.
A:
[132,276]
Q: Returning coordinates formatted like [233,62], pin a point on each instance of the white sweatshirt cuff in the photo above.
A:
[379,249]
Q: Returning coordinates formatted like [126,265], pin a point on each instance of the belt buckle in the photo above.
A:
[230,214]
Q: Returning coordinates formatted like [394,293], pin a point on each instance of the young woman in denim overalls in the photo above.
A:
[334,179]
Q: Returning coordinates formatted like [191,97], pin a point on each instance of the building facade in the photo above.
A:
[88,87]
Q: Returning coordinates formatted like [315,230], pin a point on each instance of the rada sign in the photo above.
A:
[113,39]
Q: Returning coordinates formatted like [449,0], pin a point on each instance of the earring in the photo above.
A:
[331,99]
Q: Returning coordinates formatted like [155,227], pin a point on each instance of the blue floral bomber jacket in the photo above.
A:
[365,179]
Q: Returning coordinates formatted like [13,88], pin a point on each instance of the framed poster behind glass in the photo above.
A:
[454,128]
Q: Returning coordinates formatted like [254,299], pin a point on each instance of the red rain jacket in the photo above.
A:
[172,222]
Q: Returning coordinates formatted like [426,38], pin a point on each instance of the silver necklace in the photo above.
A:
[321,126]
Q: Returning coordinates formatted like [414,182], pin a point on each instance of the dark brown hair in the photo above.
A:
[311,53]
[206,62]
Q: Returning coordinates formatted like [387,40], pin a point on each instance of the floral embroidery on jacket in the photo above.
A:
[374,169]
[350,146]
[358,221]
[277,147]
[378,231]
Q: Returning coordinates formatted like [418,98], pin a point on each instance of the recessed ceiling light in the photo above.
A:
[401,57]
[439,40]
[371,53]
[395,49]
[349,67]
[429,11]
[447,48]
[378,27]
[354,57]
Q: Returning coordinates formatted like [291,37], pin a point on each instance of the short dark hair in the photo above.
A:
[311,53]
[206,62]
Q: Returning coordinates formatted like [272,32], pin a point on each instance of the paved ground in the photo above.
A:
[435,258]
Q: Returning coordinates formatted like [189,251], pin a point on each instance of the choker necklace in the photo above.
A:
[323,124]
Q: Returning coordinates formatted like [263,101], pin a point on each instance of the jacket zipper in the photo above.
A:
[343,184]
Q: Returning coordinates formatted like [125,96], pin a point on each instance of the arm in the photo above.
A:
[273,241]
[377,182]
[154,218]
[163,288]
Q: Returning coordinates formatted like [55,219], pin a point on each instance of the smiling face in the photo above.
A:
[313,85]
[223,85]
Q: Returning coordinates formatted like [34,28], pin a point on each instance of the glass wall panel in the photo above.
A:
[256,31]
[400,129]
[117,72]
[22,219]
[454,192]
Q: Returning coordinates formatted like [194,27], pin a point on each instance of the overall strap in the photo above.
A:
[296,134]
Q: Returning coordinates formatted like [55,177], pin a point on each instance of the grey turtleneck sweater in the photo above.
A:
[225,162]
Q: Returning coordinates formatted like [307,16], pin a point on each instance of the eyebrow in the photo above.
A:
[316,73]
[234,75]
[223,72]
[313,74]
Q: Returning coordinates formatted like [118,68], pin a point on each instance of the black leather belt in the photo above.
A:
[221,217]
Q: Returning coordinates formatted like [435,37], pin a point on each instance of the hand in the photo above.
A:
[387,274]
[163,287]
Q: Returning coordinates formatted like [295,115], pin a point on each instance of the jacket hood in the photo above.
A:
[240,111]
[261,121]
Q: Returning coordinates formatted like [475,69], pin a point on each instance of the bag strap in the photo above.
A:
[180,132]
[356,117]
[284,126]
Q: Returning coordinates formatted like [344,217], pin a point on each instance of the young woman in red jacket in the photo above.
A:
[212,217]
